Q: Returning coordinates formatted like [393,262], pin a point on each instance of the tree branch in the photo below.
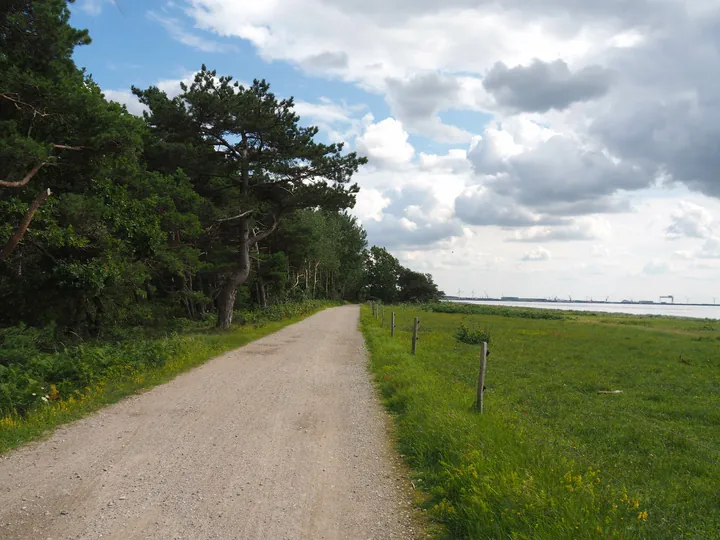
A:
[262,235]
[17,102]
[24,224]
[222,142]
[34,171]
[66,147]
[240,215]
[28,177]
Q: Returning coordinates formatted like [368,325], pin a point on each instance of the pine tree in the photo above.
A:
[250,160]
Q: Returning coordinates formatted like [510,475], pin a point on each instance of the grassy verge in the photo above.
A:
[552,458]
[115,371]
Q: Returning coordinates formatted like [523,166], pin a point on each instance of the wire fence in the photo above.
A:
[665,517]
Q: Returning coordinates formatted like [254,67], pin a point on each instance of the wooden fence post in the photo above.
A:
[382,319]
[415,334]
[481,377]
[392,325]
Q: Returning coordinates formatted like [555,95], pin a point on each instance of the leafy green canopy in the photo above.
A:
[251,162]
[218,199]
[388,281]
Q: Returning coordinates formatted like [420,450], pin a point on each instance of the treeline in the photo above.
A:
[390,282]
[217,200]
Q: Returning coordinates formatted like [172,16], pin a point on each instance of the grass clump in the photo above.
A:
[472,336]
[551,457]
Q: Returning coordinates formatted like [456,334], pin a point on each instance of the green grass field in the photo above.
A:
[551,458]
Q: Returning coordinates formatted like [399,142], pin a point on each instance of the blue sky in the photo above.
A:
[133,46]
[528,148]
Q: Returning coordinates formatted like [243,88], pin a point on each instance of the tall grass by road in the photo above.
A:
[552,458]
[44,384]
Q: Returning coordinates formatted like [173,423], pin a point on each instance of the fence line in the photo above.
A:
[623,414]
[379,313]
[668,518]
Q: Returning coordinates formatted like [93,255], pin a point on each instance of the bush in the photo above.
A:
[277,312]
[32,372]
[472,336]
[500,311]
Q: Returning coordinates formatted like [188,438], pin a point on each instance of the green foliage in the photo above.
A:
[218,200]
[324,255]
[109,373]
[550,457]
[135,232]
[472,336]
[276,312]
[382,272]
[388,281]
[501,311]
[31,365]
[86,255]
[417,287]
[252,163]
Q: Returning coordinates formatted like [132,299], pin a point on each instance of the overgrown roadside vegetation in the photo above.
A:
[40,390]
[124,239]
[551,457]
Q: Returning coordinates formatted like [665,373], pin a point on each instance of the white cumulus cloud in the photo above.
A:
[385,143]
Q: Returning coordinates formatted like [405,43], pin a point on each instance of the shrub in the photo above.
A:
[31,371]
[500,311]
[472,336]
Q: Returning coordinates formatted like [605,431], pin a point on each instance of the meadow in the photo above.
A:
[551,457]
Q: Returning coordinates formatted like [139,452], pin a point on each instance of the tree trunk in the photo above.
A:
[201,305]
[191,303]
[226,299]
[261,285]
[315,278]
[226,302]
[187,290]
[24,224]
[97,320]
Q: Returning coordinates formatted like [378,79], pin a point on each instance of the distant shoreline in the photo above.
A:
[559,301]
[692,311]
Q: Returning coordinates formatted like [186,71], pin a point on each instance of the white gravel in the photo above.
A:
[281,439]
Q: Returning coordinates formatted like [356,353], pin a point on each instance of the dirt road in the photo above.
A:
[281,439]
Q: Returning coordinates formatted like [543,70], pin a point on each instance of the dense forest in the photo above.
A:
[128,245]
[216,200]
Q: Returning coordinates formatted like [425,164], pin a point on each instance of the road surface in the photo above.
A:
[281,439]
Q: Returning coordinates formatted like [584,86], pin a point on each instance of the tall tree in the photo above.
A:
[28,87]
[71,228]
[382,272]
[85,231]
[251,161]
[417,287]
[324,252]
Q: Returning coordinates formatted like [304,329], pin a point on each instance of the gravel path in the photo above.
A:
[281,439]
